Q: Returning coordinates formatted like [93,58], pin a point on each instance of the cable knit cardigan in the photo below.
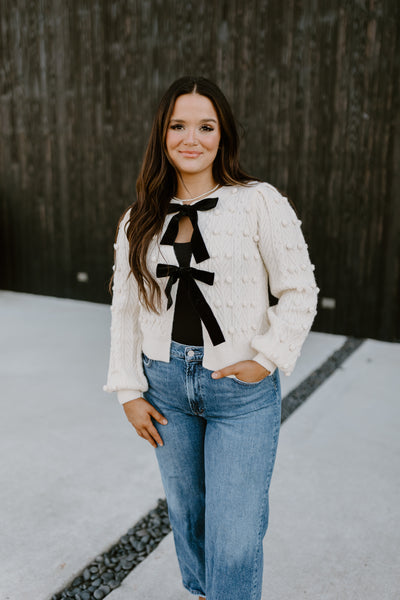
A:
[252,236]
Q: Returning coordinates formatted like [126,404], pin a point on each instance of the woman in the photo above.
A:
[195,346]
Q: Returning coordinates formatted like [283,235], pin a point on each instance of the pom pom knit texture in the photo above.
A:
[253,236]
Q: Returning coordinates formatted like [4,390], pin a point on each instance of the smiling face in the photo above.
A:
[193,135]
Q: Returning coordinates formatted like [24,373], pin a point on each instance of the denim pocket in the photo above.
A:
[249,382]
[146,360]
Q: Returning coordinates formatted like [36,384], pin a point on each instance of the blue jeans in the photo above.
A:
[216,465]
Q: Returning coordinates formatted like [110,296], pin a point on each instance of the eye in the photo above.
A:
[177,126]
[207,128]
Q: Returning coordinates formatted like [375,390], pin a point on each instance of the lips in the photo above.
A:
[188,154]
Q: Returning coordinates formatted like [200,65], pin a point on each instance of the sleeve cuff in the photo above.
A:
[267,364]
[127,395]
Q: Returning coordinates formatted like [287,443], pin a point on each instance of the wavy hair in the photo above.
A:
[158,179]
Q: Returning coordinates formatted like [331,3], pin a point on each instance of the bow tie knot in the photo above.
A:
[200,251]
[186,209]
[189,275]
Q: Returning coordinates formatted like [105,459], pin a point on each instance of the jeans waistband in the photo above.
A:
[186,352]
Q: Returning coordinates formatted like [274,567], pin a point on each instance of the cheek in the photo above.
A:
[217,140]
[172,140]
[212,144]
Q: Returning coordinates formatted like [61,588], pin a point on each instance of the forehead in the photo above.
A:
[193,106]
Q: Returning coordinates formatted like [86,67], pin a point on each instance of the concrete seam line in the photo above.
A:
[107,571]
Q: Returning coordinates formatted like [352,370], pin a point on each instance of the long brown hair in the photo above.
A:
[157,181]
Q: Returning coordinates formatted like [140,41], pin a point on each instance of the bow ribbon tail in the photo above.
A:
[168,287]
[164,271]
[199,248]
[172,231]
[205,313]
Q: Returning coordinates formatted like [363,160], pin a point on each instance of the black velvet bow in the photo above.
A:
[189,274]
[199,249]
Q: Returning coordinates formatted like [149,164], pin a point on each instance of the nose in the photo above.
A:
[190,137]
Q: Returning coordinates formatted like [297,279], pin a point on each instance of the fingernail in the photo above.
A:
[164,421]
[215,375]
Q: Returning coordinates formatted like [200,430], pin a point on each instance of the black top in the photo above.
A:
[186,328]
[192,309]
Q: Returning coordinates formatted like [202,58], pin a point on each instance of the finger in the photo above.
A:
[145,435]
[158,416]
[229,370]
[152,431]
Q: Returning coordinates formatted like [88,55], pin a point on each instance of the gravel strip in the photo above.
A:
[297,396]
[108,570]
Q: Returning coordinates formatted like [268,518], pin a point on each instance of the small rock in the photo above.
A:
[86,574]
[106,589]
[141,532]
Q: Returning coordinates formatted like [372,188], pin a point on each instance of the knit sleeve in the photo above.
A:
[284,252]
[125,371]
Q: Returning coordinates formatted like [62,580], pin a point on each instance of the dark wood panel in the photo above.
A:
[315,86]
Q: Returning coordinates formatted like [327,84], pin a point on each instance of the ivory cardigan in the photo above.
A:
[253,237]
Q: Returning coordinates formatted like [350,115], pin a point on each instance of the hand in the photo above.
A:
[249,371]
[139,413]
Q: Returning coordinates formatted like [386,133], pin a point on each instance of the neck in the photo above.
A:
[191,187]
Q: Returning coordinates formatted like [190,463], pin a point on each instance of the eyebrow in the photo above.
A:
[201,120]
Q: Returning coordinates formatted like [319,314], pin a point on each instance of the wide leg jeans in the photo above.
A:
[216,465]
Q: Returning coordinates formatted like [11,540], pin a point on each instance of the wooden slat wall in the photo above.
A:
[315,85]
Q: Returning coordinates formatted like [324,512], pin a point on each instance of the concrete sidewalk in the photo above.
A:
[75,476]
